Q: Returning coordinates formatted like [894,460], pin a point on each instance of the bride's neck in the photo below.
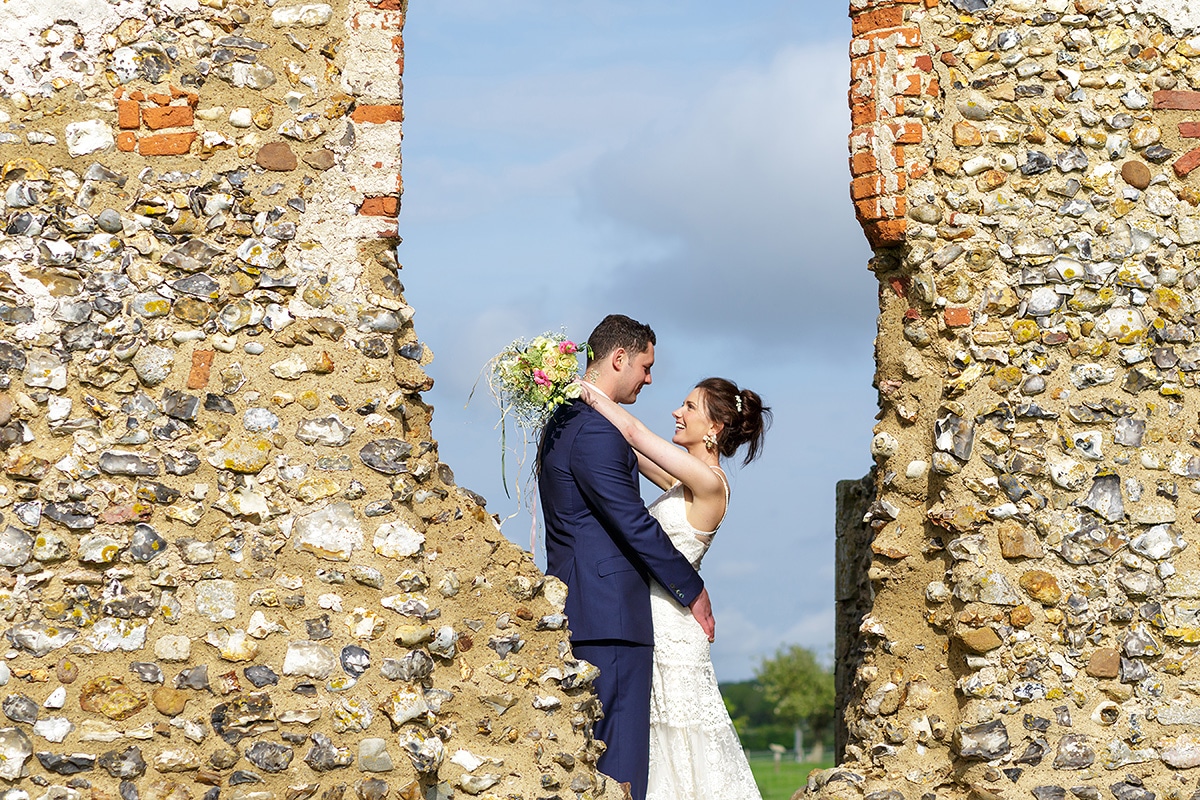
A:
[704,454]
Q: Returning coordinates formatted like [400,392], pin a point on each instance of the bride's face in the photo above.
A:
[691,420]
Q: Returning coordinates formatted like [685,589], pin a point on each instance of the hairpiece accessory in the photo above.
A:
[737,401]
[710,441]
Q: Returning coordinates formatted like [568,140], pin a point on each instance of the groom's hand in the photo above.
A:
[702,611]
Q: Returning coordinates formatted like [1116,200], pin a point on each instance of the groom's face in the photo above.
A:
[635,374]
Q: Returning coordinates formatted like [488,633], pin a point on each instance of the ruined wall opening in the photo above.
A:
[1025,173]
[233,562]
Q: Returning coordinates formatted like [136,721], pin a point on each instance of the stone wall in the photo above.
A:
[231,563]
[1025,171]
[853,597]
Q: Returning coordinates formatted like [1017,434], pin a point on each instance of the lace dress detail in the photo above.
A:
[694,752]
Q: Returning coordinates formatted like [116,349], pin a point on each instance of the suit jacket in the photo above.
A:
[600,540]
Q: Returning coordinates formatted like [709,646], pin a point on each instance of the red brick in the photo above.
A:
[949,59]
[957,316]
[128,114]
[924,63]
[899,286]
[865,137]
[903,36]
[157,117]
[137,94]
[861,6]
[863,113]
[385,206]
[876,18]
[934,88]
[1189,130]
[907,132]
[126,142]
[192,97]
[862,163]
[867,210]
[863,87]
[398,48]
[201,366]
[166,144]
[159,97]
[908,85]
[378,114]
[873,186]
[872,208]
[886,233]
[866,66]
[1187,162]
[912,314]
[866,186]
[387,5]
[1179,100]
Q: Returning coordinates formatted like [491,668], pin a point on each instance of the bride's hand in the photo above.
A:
[587,393]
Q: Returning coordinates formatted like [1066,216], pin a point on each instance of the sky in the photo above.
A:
[683,163]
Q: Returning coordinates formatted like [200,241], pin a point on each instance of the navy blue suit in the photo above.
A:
[604,545]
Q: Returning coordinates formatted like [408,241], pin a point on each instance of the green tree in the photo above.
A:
[753,716]
[801,690]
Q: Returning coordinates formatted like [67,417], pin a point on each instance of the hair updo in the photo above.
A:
[740,411]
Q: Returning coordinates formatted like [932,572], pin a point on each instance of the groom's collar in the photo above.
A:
[598,390]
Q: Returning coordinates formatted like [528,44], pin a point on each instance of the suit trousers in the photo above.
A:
[624,691]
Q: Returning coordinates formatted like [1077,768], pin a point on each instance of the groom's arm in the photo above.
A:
[602,471]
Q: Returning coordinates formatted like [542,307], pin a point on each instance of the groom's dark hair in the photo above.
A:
[618,330]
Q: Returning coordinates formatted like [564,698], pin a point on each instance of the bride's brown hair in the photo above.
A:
[741,412]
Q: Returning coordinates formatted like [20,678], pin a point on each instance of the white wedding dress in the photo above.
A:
[694,752]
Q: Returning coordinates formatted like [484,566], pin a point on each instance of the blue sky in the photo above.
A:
[683,163]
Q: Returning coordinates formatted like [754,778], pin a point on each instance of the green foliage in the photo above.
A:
[754,717]
[798,687]
[793,692]
[739,721]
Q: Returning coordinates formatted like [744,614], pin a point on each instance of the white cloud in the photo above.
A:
[747,186]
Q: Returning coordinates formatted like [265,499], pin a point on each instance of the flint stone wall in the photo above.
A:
[1026,173]
[231,562]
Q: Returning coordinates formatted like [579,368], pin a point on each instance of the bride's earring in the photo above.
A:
[710,441]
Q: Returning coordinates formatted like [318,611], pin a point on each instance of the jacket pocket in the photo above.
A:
[613,565]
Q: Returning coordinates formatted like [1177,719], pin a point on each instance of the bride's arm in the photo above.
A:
[654,473]
[666,459]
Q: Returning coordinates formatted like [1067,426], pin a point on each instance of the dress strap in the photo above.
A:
[724,482]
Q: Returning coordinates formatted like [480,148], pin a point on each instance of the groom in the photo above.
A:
[605,546]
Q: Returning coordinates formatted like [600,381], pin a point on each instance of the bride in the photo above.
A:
[694,751]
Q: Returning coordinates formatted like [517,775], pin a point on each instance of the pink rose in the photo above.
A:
[567,347]
[540,378]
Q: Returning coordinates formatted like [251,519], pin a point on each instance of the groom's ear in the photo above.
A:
[618,358]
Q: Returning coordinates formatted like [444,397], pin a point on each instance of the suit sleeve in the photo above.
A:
[608,484]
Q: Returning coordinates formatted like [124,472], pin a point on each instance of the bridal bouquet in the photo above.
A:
[530,379]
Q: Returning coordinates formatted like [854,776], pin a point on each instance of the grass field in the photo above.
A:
[783,784]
